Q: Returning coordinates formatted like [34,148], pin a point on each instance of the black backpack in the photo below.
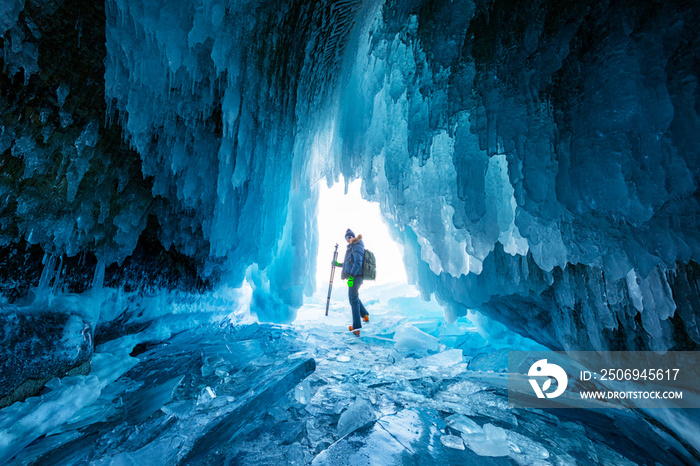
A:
[369,266]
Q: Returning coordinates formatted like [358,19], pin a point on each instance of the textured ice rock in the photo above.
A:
[207,395]
[178,397]
[327,400]
[266,391]
[359,414]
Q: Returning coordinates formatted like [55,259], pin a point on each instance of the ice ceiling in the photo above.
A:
[539,161]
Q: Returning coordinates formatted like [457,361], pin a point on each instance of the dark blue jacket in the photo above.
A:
[354,257]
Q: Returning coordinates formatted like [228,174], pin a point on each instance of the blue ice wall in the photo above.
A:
[221,100]
[541,162]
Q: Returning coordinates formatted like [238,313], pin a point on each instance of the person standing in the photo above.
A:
[352,271]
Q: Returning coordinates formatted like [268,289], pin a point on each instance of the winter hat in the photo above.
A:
[349,233]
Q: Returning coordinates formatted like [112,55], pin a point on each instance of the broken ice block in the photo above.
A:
[443,359]
[302,393]
[411,340]
[490,362]
[386,405]
[206,396]
[525,450]
[492,442]
[357,415]
[463,424]
[268,389]
[452,441]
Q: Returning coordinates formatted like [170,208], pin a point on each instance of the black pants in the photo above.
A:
[358,309]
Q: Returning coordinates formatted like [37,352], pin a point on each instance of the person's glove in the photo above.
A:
[336,264]
[350,281]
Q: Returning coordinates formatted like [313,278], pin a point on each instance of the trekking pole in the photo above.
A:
[330,285]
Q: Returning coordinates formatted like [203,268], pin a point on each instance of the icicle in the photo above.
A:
[99,277]
[60,275]
[47,274]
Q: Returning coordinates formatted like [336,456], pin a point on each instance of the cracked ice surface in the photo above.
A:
[201,382]
[412,399]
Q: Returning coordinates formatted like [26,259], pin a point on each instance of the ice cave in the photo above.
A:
[175,174]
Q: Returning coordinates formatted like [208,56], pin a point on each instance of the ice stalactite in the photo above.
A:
[217,98]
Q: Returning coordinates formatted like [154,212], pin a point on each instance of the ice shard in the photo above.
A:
[261,396]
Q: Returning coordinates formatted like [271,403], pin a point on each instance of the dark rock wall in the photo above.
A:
[39,346]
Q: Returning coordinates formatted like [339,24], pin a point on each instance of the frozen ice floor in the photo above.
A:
[218,390]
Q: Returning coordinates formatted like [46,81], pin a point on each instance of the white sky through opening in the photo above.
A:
[337,212]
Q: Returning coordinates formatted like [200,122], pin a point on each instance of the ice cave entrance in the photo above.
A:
[338,211]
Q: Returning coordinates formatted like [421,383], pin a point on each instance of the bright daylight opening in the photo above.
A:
[337,212]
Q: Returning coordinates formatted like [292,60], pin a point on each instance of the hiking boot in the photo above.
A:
[366,318]
[356,332]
